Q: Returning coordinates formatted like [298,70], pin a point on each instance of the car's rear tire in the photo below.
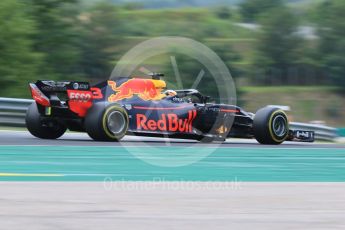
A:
[106,122]
[49,129]
[270,126]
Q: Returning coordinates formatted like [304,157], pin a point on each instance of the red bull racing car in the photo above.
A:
[137,106]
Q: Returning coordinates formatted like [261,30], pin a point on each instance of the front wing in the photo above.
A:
[301,136]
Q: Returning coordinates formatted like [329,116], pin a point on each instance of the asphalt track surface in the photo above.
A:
[18,138]
[75,157]
[76,183]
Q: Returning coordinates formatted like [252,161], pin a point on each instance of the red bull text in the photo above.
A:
[167,122]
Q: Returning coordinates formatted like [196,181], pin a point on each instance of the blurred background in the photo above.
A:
[282,52]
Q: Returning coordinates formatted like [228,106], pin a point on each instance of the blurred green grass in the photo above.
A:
[306,103]
[186,22]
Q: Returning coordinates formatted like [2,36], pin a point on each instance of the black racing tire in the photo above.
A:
[270,126]
[50,129]
[106,122]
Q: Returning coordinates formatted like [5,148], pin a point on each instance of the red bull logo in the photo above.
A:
[146,89]
[167,122]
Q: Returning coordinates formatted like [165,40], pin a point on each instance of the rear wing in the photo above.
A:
[50,87]
[75,95]
[52,93]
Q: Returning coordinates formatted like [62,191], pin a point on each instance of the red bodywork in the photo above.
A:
[38,96]
[81,101]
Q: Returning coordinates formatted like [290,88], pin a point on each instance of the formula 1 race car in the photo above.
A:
[138,106]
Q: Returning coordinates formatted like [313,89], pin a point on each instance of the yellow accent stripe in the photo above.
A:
[48,111]
[104,120]
[29,174]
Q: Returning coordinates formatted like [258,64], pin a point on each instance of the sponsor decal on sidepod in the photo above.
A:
[167,122]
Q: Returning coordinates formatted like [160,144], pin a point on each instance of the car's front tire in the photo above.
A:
[106,122]
[270,126]
[49,129]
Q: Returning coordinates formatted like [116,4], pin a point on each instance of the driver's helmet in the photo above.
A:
[170,93]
